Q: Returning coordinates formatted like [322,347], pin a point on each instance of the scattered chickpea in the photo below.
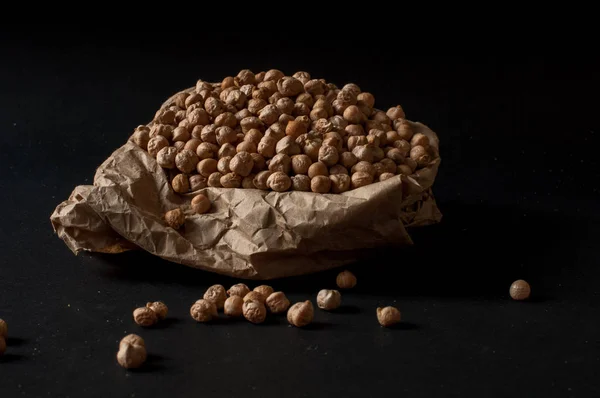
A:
[175,218]
[345,280]
[238,289]
[255,295]
[254,311]
[216,294]
[200,204]
[388,316]
[520,290]
[277,302]
[144,316]
[203,311]
[301,314]
[233,306]
[264,290]
[329,299]
[132,352]
[160,309]
[180,183]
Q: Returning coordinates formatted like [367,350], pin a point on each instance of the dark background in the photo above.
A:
[518,187]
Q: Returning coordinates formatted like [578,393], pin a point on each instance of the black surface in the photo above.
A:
[518,187]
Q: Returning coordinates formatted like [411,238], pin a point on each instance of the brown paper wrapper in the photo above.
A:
[248,233]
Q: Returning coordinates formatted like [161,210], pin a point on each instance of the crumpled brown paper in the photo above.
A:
[248,233]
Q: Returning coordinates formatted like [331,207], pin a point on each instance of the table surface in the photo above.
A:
[518,188]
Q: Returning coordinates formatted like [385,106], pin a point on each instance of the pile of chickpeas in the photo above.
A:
[275,132]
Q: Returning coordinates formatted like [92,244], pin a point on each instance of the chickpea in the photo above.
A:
[347,159]
[242,164]
[340,183]
[419,154]
[301,182]
[318,169]
[223,165]
[206,150]
[266,147]
[300,164]
[259,163]
[214,180]
[231,180]
[360,179]
[206,167]
[279,181]
[198,181]
[364,167]
[281,162]
[338,169]
[320,184]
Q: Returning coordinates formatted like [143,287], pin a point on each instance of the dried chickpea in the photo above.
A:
[247,89]
[279,181]
[233,306]
[226,119]
[520,290]
[239,289]
[396,155]
[318,169]
[144,316]
[380,117]
[404,169]
[411,163]
[214,107]
[355,130]
[314,87]
[281,162]
[404,129]
[360,179]
[181,134]
[254,311]
[241,164]
[364,167]
[301,314]
[132,352]
[339,106]
[275,97]
[338,169]
[302,76]
[269,114]
[347,159]
[160,309]
[322,126]
[356,141]
[318,113]
[259,163]
[300,164]
[246,146]
[328,155]
[191,99]
[264,290]
[320,184]
[223,165]
[388,316]
[155,144]
[255,105]
[180,183]
[206,167]
[274,75]
[214,180]
[392,136]
[216,294]
[203,311]
[200,204]
[231,180]
[254,296]
[225,135]
[420,139]
[269,87]
[329,299]
[227,150]
[295,129]
[179,100]
[285,105]
[385,176]
[276,130]
[166,157]
[312,148]
[254,136]
[186,161]
[198,117]
[245,76]
[306,99]
[353,115]
[385,166]
[289,86]
[396,112]
[301,109]
[202,85]
[403,146]
[345,280]
[206,150]
[248,181]
[347,97]
[266,147]
[197,182]
[260,180]
[420,155]
[365,153]
[175,218]
[367,99]
[227,82]
[162,130]
[277,302]
[259,77]
[284,119]
[141,138]
[339,124]
[301,182]
[340,183]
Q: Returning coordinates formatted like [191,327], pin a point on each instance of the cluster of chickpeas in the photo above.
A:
[274,132]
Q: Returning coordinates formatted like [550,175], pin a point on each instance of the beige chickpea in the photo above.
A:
[411,163]
[302,76]
[318,113]
[166,157]
[233,306]
[392,136]
[216,294]
[274,75]
[367,99]
[223,165]
[180,183]
[300,164]
[318,169]
[198,117]
[266,147]
[254,296]
[254,136]
[203,311]
[225,135]
[197,182]
[381,117]
[389,166]
[355,130]
[202,85]
[255,105]
[420,155]
[353,115]
[226,150]
[144,316]
[520,290]
[141,138]
[247,89]
[360,179]
[264,290]
[380,135]
[320,184]
[329,299]
[214,180]
[404,129]
[192,145]
[312,147]
[385,176]
[301,109]
[276,130]
[373,125]
[306,99]
[284,119]
[279,181]
[275,97]
[404,170]
[373,140]
[396,112]
[339,124]
[301,182]
[289,86]
[281,162]
[328,155]
[186,161]
[338,169]
[314,87]
[388,316]
[347,159]
[403,146]
[130,355]
[295,129]
[340,183]
[200,204]
[192,99]
[206,150]
[277,303]
[155,144]
[396,155]
[179,146]
[239,289]
[259,163]
[227,82]
[324,104]
[301,314]
[242,114]
[339,106]
[251,122]
[214,107]
[259,77]
[206,167]
[260,180]
[356,141]
[162,130]
[285,105]
[181,134]
[347,97]
[231,180]
[175,218]
[254,311]
[269,87]
[345,280]
[160,309]
[364,153]
[269,114]
[248,181]
[364,167]
[241,164]
[226,119]
[420,139]
[179,100]
[237,99]
[378,154]
[245,76]
[246,146]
